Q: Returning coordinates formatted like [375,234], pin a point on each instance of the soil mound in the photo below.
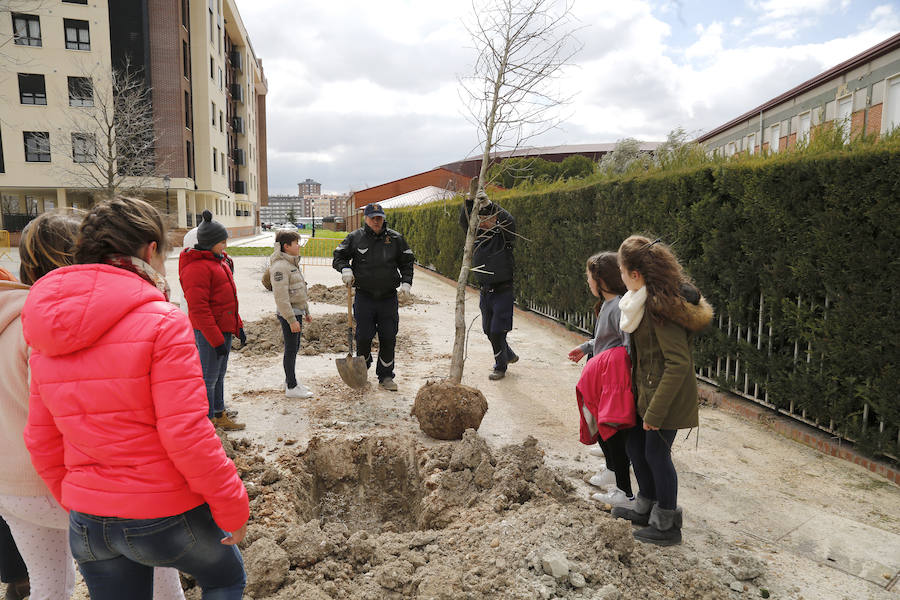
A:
[445,410]
[384,517]
[326,333]
[337,294]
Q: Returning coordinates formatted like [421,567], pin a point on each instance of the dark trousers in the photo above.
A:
[291,347]
[496,306]
[617,458]
[116,556]
[379,316]
[651,457]
[12,567]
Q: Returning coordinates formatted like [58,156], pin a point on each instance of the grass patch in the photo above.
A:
[249,250]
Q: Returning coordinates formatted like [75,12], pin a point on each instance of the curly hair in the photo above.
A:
[662,273]
[48,242]
[120,226]
[604,269]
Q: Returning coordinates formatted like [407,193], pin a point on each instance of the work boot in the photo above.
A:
[388,384]
[18,590]
[225,422]
[511,357]
[664,527]
[496,374]
[231,412]
[638,514]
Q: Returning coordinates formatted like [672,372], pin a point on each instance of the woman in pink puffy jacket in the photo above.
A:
[117,425]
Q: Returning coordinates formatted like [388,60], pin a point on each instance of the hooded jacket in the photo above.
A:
[380,261]
[17,475]
[208,286]
[288,285]
[117,422]
[604,396]
[493,247]
[663,370]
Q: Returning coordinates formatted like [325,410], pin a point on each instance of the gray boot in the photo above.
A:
[664,527]
[638,513]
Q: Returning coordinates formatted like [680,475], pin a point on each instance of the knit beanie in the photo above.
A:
[210,232]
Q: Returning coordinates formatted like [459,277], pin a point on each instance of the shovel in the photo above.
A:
[352,369]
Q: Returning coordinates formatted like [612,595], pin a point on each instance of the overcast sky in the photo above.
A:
[362,92]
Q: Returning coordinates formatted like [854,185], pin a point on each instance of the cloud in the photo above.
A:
[709,42]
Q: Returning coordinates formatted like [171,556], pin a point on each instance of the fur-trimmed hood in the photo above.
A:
[694,316]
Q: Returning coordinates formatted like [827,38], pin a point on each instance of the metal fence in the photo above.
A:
[753,327]
[317,251]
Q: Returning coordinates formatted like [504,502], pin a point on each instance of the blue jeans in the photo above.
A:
[291,347]
[214,367]
[116,556]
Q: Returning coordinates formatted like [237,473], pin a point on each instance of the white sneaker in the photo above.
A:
[596,450]
[614,498]
[300,391]
[603,479]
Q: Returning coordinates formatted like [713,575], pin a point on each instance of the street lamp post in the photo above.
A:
[167,181]
[313,206]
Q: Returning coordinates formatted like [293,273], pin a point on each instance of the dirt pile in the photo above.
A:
[337,294]
[326,333]
[445,410]
[376,517]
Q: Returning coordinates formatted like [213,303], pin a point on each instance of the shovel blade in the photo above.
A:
[352,370]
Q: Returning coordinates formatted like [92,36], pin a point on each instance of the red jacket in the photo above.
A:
[117,421]
[604,396]
[208,286]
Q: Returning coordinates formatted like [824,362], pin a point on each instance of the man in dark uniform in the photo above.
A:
[493,259]
[376,260]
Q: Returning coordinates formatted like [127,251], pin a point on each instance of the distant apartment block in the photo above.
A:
[319,206]
[309,188]
[208,92]
[862,95]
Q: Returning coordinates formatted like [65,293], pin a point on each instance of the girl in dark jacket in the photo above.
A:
[661,311]
[205,272]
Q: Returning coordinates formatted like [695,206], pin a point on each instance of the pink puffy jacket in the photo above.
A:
[604,396]
[117,420]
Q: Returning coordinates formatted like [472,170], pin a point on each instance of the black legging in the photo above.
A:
[617,459]
[651,457]
[12,568]
[291,347]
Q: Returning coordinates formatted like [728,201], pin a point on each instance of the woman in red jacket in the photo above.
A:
[205,272]
[117,425]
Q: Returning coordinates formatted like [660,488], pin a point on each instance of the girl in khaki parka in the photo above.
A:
[661,311]
[291,304]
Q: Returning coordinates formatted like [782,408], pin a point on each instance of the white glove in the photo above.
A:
[347,276]
[405,288]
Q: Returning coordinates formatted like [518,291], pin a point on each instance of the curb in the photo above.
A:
[796,431]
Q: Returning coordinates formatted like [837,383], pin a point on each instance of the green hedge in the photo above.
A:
[815,228]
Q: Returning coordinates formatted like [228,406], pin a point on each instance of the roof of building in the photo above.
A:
[561,149]
[423,195]
[888,45]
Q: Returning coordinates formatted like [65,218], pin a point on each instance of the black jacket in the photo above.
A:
[380,262]
[494,247]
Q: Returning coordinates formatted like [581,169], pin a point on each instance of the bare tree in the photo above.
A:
[522,47]
[111,137]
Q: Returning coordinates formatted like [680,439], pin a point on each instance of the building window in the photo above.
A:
[32,89]
[37,146]
[774,136]
[189,158]
[222,154]
[751,143]
[219,38]
[212,68]
[84,147]
[803,127]
[187,110]
[81,91]
[221,122]
[215,161]
[2,167]
[210,26]
[184,13]
[78,34]
[76,2]
[213,111]
[26,29]
[891,106]
[185,59]
[844,111]
[221,79]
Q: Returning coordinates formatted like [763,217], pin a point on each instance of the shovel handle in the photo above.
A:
[350,319]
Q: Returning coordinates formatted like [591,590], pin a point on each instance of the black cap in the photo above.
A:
[374,210]
[210,232]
